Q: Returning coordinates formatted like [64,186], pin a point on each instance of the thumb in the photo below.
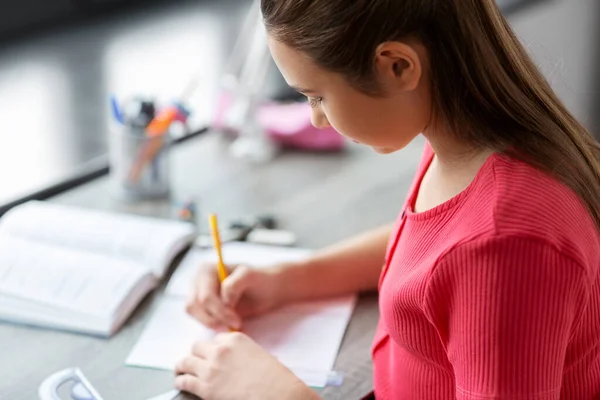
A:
[234,286]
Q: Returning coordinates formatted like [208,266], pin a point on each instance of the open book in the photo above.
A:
[304,336]
[81,270]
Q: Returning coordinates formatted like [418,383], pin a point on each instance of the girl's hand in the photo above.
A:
[246,292]
[233,367]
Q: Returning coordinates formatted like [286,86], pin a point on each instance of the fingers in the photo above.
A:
[219,369]
[195,309]
[235,285]
[205,304]
[190,384]
[224,314]
[191,365]
[210,310]
[202,349]
[191,372]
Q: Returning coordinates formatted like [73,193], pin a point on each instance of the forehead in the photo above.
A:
[297,68]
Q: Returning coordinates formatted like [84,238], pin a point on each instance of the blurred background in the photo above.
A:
[61,59]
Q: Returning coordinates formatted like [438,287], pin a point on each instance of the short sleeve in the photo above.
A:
[505,309]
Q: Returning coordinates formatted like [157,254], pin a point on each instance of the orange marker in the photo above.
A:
[161,123]
[147,153]
[155,131]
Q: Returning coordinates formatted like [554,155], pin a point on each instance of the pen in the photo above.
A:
[116,110]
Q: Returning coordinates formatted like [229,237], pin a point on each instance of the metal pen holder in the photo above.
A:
[139,165]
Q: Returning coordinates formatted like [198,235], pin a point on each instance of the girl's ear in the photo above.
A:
[398,66]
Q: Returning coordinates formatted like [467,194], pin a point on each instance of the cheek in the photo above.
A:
[385,124]
[364,123]
[348,120]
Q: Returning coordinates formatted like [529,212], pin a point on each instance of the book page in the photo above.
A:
[147,241]
[63,279]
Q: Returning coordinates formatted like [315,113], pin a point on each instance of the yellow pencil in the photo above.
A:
[214,228]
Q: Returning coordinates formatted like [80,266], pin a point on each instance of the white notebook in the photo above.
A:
[81,270]
[305,336]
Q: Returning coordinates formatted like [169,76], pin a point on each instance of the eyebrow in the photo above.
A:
[302,90]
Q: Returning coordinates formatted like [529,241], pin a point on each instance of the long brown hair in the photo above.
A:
[484,84]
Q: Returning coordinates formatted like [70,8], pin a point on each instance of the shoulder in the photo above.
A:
[503,274]
[529,204]
[511,198]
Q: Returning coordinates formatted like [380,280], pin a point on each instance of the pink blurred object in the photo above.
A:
[288,124]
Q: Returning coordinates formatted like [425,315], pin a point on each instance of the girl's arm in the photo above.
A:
[505,308]
[351,266]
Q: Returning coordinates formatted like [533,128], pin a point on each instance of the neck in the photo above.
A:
[453,156]
[455,163]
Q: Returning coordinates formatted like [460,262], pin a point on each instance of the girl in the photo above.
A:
[489,288]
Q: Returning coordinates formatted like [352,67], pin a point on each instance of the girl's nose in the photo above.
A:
[319,119]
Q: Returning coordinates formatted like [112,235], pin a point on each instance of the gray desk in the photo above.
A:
[321,197]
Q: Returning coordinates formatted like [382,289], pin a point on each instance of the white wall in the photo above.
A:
[564,39]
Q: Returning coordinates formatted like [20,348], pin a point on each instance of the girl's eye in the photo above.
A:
[315,101]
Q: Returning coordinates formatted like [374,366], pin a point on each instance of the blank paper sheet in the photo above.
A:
[305,337]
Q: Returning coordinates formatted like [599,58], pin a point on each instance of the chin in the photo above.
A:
[384,150]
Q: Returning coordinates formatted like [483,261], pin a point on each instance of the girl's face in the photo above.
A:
[387,123]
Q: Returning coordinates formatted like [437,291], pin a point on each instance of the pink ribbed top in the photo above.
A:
[491,295]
